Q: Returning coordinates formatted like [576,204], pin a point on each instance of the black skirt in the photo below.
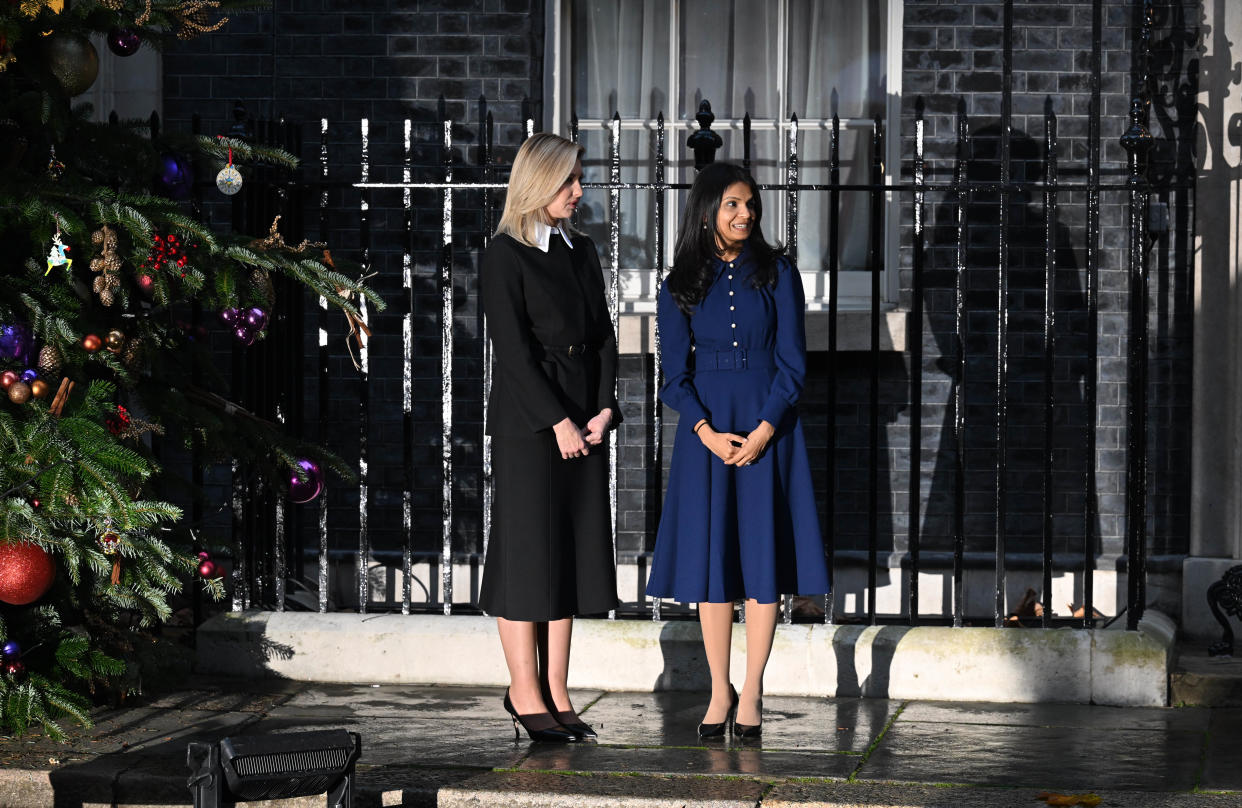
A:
[550,552]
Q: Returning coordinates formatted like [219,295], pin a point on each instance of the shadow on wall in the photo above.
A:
[863,660]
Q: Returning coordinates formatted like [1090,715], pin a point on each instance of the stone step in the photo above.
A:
[1198,680]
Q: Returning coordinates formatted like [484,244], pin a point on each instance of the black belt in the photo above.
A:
[736,359]
[579,349]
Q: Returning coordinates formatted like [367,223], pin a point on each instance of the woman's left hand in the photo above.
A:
[753,445]
[597,426]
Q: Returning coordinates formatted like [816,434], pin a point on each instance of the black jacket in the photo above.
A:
[553,347]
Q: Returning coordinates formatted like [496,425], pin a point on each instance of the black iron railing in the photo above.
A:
[264,562]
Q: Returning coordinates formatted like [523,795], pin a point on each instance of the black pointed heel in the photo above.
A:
[570,721]
[553,734]
[750,731]
[719,730]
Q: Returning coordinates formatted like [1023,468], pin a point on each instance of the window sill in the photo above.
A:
[637,331]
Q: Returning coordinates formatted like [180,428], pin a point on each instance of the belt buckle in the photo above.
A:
[574,350]
[741,355]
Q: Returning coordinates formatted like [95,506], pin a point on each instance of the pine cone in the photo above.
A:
[50,360]
[133,354]
[260,279]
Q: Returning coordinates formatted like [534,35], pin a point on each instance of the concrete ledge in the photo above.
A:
[1112,667]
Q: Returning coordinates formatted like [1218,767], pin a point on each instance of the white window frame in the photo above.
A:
[637,285]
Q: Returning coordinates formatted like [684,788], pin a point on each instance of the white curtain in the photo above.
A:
[730,52]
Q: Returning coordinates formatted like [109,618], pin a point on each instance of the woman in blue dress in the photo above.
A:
[739,518]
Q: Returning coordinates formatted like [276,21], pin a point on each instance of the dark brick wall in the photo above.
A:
[387,61]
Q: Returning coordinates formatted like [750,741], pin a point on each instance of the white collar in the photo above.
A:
[543,236]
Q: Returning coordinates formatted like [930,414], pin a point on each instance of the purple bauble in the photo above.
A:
[230,315]
[29,375]
[16,343]
[176,177]
[123,41]
[304,491]
[256,318]
[11,650]
[243,334]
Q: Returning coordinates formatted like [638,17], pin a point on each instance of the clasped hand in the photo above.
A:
[575,442]
[736,450]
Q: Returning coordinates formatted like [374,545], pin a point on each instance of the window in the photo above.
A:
[771,59]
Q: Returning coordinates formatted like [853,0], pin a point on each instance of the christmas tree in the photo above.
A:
[102,268]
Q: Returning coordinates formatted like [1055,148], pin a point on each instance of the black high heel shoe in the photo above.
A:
[718,730]
[552,734]
[570,721]
[751,731]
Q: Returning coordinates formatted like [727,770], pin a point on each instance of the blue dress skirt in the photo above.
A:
[729,532]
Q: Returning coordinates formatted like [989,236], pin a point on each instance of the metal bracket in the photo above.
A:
[1225,598]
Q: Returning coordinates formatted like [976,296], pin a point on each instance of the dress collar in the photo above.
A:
[543,236]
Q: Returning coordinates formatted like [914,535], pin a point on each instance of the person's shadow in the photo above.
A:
[1026,389]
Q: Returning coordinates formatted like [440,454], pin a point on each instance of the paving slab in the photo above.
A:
[1053,758]
[672,719]
[1222,759]
[545,790]
[1083,716]
[726,760]
[887,795]
[405,701]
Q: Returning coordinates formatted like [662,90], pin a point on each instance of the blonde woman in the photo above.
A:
[552,402]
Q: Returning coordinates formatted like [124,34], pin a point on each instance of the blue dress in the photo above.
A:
[729,532]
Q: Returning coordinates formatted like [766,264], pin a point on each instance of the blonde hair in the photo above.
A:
[539,172]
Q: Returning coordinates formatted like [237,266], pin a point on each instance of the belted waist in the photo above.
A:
[734,359]
[575,351]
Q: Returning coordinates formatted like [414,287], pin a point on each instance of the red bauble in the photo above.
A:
[145,283]
[26,572]
[15,668]
[207,569]
[92,343]
[9,378]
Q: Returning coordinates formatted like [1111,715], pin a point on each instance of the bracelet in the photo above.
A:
[699,426]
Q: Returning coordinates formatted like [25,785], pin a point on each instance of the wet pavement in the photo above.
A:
[451,746]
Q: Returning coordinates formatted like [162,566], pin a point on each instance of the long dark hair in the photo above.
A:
[696,246]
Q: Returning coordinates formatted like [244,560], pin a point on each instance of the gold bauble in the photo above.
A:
[73,60]
[19,392]
[39,388]
[115,341]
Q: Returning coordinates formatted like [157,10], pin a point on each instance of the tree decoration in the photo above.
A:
[50,360]
[55,168]
[206,567]
[118,421]
[176,177]
[29,375]
[91,343]
[9,378]
[124,41]
[106,262]
[305,481]
[15,343]
[229,180]
[110,543]
[167,252]
[39,388]
[19,392]
[56,255]
[26,572]
[11,650]
[115,341]
[73,60]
